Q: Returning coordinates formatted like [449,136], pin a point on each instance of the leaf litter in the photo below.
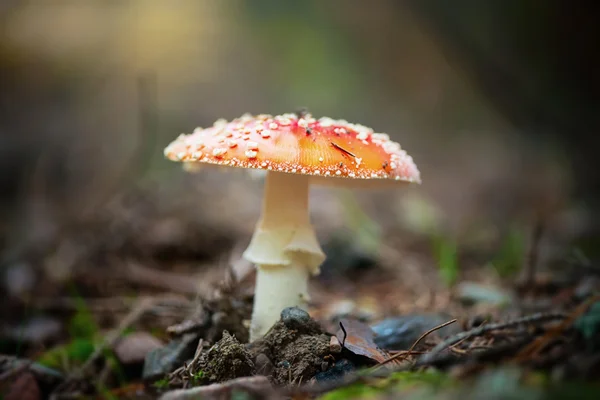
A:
[198,338]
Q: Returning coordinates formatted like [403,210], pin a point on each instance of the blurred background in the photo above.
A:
[496,101]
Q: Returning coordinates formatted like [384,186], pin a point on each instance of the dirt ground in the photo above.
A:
[121,306]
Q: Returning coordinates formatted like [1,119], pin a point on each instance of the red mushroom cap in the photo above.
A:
[297,144]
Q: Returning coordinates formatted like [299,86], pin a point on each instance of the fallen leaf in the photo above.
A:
[359,340]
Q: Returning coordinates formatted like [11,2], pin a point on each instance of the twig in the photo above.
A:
[437,358]
[197,356]
[423,336]
[394,352]
[459,342]
[535,347]
[480,330]
[254,385]
[340,148]
[15,370]
[441,360]
[458,351]
[185,373]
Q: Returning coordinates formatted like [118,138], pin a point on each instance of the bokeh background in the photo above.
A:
[496,101]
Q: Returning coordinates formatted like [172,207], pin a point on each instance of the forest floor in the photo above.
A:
[137,316]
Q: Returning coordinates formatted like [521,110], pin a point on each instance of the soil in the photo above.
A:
[226,360]
[201,313]
[293,351]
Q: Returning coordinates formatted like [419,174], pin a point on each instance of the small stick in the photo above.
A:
[492,353]
[340,148]
[423,336]
[535,347]
[197,355]
[430,359]
[480,330]
[434,358]
[457,343]
[15,371]
[258,386]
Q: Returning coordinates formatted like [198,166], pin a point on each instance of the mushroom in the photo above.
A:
[295,150]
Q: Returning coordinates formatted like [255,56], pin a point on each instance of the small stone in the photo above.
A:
[474,293]
[335,346]
[294,317]
[133,348]
[401,332]
[165,359]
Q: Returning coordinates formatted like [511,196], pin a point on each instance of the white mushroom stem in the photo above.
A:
[284,248]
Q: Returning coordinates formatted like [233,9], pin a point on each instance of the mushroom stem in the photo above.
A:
[285,250]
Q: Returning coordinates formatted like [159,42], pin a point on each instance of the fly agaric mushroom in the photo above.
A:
[295,150]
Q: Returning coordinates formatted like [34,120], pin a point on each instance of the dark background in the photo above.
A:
[497,101]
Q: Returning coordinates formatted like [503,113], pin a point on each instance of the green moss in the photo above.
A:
[83,331]
[361,391]
[406,381]
[82,325]
[431,378]
[66,356]
[197,377]
[161,384]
